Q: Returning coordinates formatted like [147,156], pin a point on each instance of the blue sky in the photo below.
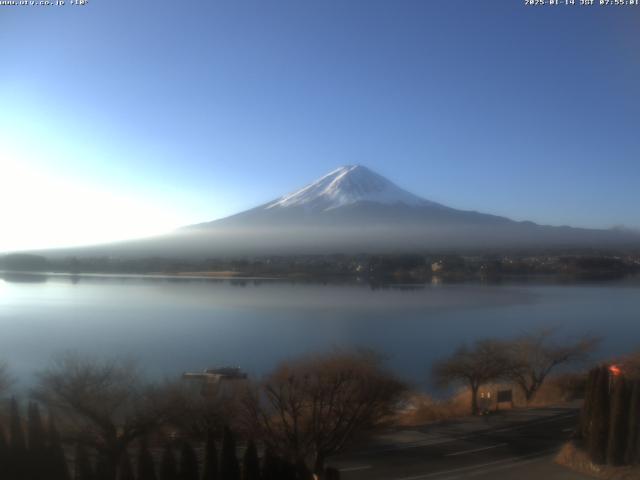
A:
[122,118]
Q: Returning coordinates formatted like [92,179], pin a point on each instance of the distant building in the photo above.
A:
[211,379]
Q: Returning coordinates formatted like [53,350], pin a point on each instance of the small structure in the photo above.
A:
[211,378]
[484,402]
[504,396]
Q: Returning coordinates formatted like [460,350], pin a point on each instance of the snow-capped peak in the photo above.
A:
[345,186]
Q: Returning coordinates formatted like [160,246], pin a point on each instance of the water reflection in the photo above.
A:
[24,278]
[176,324]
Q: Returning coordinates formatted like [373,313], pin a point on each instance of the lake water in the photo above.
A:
[175,325]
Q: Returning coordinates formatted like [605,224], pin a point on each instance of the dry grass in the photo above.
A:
[561,388]
[423,408]
[575,458]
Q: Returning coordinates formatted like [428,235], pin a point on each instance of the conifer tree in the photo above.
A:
[57,461]
[17,441]
[82,465]
[125,470]
[270,467]
[587,409]
[188,462]
[229,467]
[618,422]
[599,430]
[331,473]
[104,468]
[210,471]
[37,445]
[302,472]
[168,467]
[288,470]
[632,453]
[4,453]
[17,445]
[36,431]
[146,467]
[250,463]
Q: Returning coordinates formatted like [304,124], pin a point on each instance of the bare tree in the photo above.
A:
[533,356]
[197,413]
[103,404]
[484,362]
[311,408]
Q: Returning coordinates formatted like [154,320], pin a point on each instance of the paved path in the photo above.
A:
[517,445]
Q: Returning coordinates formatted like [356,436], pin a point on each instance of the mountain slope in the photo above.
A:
[355,210]
[346,186]
[348,196]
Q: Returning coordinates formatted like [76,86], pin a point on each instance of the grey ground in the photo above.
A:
[516,444]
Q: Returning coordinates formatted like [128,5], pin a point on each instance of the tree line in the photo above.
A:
[416,266]
[40,455]
[525,361]
[115,426]
[302,413]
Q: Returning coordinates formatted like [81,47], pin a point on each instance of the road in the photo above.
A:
[516,444]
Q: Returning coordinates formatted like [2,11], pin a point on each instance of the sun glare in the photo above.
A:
[42,210]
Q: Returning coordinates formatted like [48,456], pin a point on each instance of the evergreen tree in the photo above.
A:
[36,431]
[288,470]
[270,467]
[302,472]
[599,430]
[229,467]
[37,446]
[104,468]
[188,462]
[331,473]
[168,467]
[250,463]
[17,445]
[146,467]
[82,466]
[587,409]
[125,471]
[632,453]
[618,422]
[57,461]
[4,453]
[210,459]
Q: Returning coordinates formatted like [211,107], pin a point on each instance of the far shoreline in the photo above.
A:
[35,276]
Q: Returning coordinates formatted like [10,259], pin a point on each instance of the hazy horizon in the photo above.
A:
[370,225]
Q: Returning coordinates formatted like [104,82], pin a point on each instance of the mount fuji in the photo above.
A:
[346,186]
[352,195]
[355,210]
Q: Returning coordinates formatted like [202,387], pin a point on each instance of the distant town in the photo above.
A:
[387,267]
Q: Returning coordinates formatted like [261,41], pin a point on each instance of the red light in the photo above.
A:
[615,370]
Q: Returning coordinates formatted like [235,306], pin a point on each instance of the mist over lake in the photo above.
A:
[174,325]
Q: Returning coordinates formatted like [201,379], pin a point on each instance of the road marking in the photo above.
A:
[355,469]
[534,422]
[506,466]
[464,452]
[512,461]
[568,430]
[479,433]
